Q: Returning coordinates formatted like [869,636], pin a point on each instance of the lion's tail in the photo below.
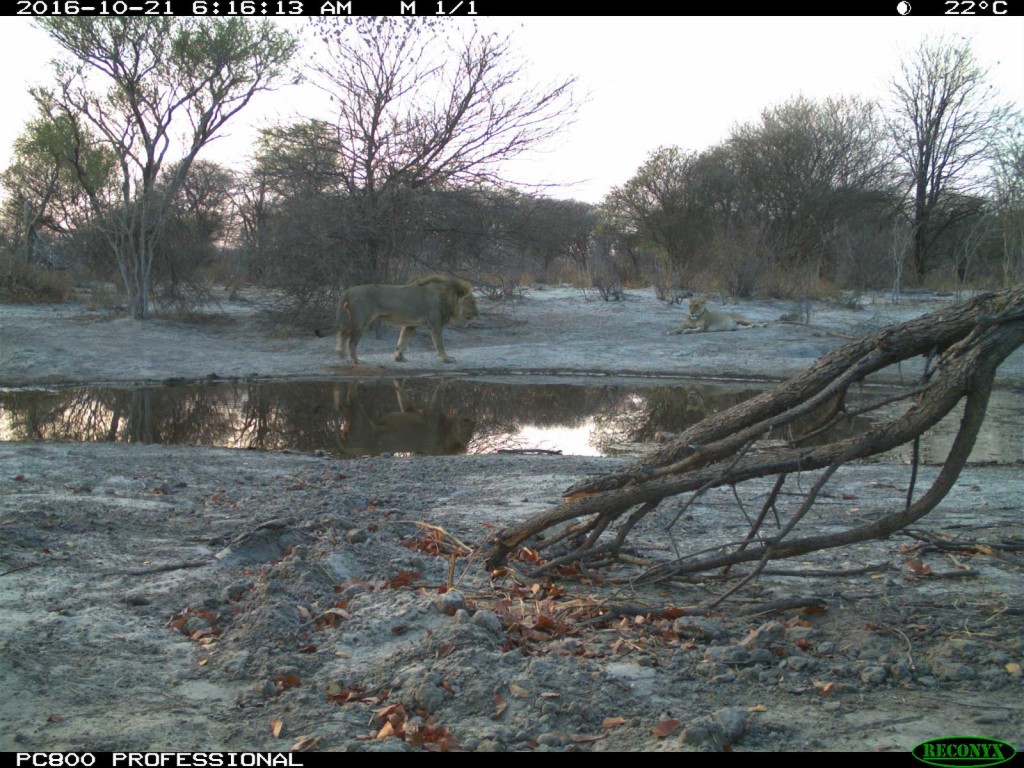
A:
[343,317]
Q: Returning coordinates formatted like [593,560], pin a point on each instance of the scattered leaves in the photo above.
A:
[342,695]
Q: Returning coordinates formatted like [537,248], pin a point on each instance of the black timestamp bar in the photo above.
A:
[246,7]
[333,7]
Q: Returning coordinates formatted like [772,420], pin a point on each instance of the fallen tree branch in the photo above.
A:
[965,345]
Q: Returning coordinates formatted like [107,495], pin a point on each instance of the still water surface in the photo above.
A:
[430,416]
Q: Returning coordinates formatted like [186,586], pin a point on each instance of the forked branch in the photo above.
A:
[965,344]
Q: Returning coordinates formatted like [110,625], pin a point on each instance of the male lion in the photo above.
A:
[434,301]
[701,320]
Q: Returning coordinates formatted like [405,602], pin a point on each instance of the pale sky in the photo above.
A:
[649,81]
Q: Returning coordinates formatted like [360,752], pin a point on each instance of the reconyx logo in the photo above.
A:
[960,751]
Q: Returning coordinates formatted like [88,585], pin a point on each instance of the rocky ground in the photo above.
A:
[185,598]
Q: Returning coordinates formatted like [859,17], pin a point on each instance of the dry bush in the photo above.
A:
[21,284]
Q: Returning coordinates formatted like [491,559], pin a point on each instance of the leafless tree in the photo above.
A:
[1008,192]
[944,119]
[422,107]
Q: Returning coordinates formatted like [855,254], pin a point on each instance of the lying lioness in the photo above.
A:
[701,319]
[433,301]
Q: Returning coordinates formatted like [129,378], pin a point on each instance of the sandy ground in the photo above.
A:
[183,598]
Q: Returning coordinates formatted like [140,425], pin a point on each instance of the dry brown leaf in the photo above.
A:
[757,708]
[403,579]
[500,705]
[665,728]
[305,743]
[918,567]
[276,724]
[338,611]
[387,730]
[612,722]
[518,691]
[550,695]
[581,738]
[55,718]
[284,682]
[1013,668]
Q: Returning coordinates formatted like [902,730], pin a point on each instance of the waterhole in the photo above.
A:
[438,417]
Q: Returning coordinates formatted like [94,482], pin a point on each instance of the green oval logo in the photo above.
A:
[960,751]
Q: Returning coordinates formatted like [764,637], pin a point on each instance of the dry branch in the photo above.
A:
[964,345]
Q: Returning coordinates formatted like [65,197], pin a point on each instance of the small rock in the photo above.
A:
[727,654]
[489,621]
[697,628]
[232,593]
[551,739]
[873,675]
[356,536]
[450,602]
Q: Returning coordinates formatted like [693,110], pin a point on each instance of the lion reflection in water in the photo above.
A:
[430,431]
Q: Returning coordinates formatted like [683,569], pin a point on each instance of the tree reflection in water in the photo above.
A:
[422,416]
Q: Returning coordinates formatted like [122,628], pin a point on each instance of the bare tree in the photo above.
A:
[148,86]
[418,109]
[943,123]
[1008,192]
